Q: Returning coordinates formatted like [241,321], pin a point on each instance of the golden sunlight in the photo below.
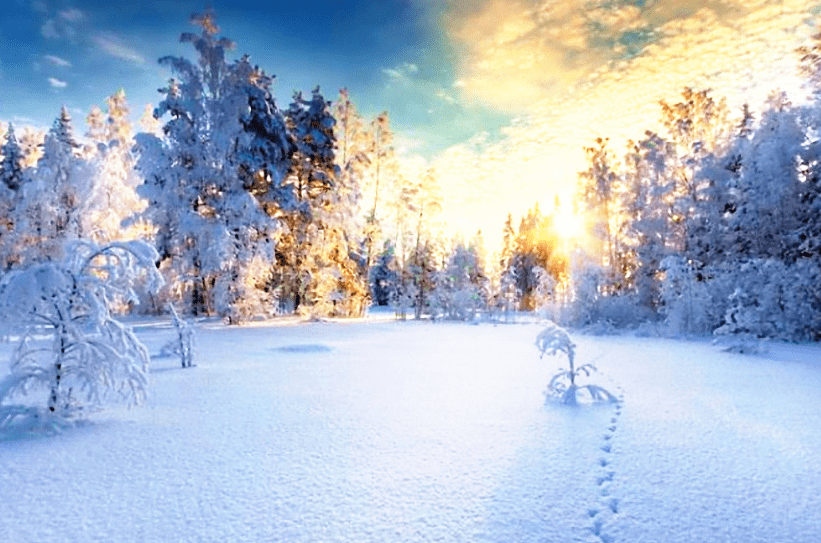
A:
[569,226]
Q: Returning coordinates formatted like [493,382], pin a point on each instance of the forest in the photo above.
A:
[711,226]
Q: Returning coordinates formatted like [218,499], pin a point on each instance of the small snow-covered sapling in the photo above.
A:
[555,339]
[183,344]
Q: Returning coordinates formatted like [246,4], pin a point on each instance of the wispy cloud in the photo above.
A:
[63,26]
[50,30]
[401,72]
[57,61]
[443,95]
[113,46]
[57,83]
[72,15]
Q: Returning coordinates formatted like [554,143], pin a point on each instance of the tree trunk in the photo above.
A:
[54,396]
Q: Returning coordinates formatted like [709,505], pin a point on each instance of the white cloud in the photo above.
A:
[445,96]
[57,61]
[62,27]
[401,72]
[393,74]
[72,15]
[113,46]
[49,30]
[56,83]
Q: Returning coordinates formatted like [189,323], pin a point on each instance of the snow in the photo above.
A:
[384,431]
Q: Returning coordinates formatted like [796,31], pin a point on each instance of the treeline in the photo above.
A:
[713,226]
[254,209]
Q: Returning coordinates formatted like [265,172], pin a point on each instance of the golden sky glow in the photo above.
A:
[538,58]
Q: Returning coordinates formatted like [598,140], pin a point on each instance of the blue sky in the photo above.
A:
[391,55]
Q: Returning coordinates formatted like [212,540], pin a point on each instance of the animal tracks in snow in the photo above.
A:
[605,513]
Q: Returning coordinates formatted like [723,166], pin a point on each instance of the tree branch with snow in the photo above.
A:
[71,351]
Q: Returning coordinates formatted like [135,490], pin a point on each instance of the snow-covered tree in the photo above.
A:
[316,258]
[11,175]
[183,343]
[686,299]
[553,340]
[11,166]
[52,204]
[87,355]
[31,144]
[351,152]
[697,127]
[95,120]
[115,198]
[647,205]
[599,186]
[764,205]
[426,248]
[459,292]
[383,172]
[773,299]
[536,245]
[199,179]
[385,277]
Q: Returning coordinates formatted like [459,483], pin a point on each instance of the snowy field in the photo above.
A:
[410,432]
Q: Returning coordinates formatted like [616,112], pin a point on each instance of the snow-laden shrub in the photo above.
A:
[72,353]
[183,343]
[772,300]
[555,339]
[587,285]
[544,295]
[685,298]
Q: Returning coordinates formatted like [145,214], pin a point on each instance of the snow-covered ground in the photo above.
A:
[384,431]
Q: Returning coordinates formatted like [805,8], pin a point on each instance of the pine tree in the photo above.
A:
[509,292]
[31,144]
[536,247]
[11,167]
[212,230]
[647,203]
[52,206]
[460,285]
[312,175]
[11,175]
[96,127]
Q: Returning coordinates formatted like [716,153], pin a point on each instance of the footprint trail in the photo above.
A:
[602,516]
